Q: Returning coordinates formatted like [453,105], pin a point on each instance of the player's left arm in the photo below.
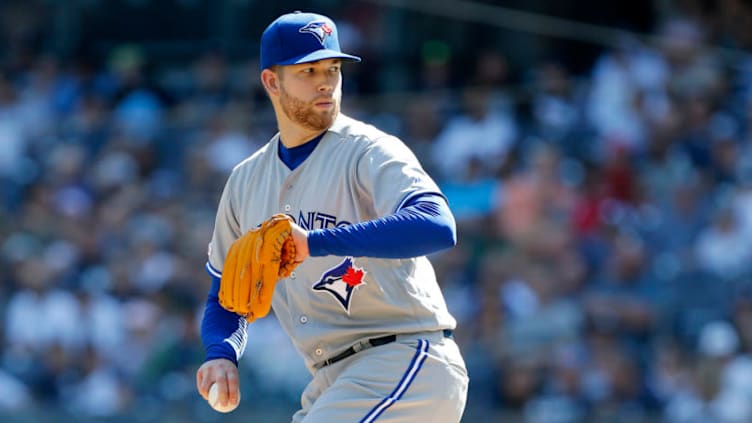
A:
[423,225]
[413,220]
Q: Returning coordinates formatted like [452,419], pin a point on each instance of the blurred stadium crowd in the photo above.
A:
[604,264]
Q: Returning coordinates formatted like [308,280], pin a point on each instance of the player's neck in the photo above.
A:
[292,135]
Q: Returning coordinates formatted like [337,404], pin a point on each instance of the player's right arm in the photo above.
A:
[223,333]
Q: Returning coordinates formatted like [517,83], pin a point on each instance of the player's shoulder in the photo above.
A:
[357,131]
[367,140]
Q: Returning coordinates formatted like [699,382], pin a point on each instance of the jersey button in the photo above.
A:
[287,207]
[319,351]
[303,319]
[293,275]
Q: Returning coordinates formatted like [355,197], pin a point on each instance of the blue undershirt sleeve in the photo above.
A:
[223,332]
[424,225]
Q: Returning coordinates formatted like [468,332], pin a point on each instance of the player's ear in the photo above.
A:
[270,80]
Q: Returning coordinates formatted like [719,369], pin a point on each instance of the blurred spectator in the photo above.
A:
[39,296]
[556,106]
[624,298]
[138,106]
[475,143]
[628,91]
[723,248]
[720,391]
[533,204]
[14,395]
[539,319]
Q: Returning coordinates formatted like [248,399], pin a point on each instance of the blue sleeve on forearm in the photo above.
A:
[223,333]
[424,225]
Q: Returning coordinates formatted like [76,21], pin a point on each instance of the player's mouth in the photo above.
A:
[324,104]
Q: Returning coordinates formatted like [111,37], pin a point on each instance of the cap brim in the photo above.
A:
[319,55]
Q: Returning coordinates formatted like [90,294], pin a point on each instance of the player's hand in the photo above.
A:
[300,238]
[224,373]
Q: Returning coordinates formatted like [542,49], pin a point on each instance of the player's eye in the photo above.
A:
[334,69]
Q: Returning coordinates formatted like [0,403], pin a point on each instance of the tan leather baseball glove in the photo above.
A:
[254,264]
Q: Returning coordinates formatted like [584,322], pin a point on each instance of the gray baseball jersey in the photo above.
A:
[356,173]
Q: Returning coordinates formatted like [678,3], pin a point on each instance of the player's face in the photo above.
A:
[310,93]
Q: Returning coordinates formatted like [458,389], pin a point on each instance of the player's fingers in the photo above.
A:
[233,386]
[222,390]
[199,381]
[211,372]
[204,379]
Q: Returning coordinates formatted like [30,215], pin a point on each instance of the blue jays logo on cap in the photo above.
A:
[319,29]
[341,281]
[301,38]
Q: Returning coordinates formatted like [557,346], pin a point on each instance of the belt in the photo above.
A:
[373,342]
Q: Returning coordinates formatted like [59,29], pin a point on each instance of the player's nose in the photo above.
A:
[326,87]
[327,83]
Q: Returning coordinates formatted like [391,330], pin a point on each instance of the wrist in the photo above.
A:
[300,236]
[224,351]
[315,243]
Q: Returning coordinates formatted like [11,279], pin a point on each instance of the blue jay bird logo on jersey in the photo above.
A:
[320,29]
[341,282]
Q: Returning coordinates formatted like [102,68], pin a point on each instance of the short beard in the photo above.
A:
[301,112]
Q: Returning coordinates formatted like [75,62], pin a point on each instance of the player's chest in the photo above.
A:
[315,195]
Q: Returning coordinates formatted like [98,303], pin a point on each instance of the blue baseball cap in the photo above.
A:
[300,38]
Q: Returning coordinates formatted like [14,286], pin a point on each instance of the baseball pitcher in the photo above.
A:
[328,224]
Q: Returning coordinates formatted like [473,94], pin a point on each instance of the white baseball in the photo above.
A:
[214,400]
